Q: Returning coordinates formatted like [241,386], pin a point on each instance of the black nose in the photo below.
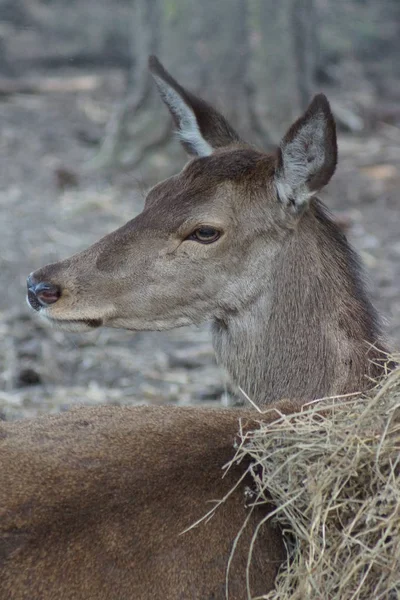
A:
[42,293]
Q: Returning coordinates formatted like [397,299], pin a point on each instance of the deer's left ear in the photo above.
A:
[307,155]
[201,128]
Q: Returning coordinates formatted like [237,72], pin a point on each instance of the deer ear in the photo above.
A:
[201,129]
[307,155]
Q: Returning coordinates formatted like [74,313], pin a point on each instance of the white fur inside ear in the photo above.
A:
[189,130]
[302,158]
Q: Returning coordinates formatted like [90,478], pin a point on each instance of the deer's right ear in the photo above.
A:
[307,155]
[200,127]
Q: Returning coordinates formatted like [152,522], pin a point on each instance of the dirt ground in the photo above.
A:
[51,207]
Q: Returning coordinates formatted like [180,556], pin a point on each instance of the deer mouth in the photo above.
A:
[74,325]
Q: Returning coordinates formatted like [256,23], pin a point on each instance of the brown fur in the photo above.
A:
[94,502]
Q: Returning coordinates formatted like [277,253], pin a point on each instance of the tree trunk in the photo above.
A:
[250,58]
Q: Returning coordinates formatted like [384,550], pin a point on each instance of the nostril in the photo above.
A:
[42,294]
[47,293]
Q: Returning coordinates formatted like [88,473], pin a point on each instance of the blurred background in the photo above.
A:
[83,135]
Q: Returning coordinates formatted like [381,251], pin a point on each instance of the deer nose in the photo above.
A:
[42,293]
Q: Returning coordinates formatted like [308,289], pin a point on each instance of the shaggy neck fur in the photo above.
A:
[313,332]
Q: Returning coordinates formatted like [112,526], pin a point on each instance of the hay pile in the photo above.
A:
[335,479]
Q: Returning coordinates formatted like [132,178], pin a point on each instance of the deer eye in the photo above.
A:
[204,235]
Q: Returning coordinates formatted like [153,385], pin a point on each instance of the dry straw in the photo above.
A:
[333,472]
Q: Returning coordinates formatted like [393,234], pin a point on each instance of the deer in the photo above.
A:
[107,502]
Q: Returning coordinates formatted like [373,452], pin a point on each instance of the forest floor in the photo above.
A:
[51,207]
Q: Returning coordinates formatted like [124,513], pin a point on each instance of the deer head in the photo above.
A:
[237,238]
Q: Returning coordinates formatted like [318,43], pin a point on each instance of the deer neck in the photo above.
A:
[311,332]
